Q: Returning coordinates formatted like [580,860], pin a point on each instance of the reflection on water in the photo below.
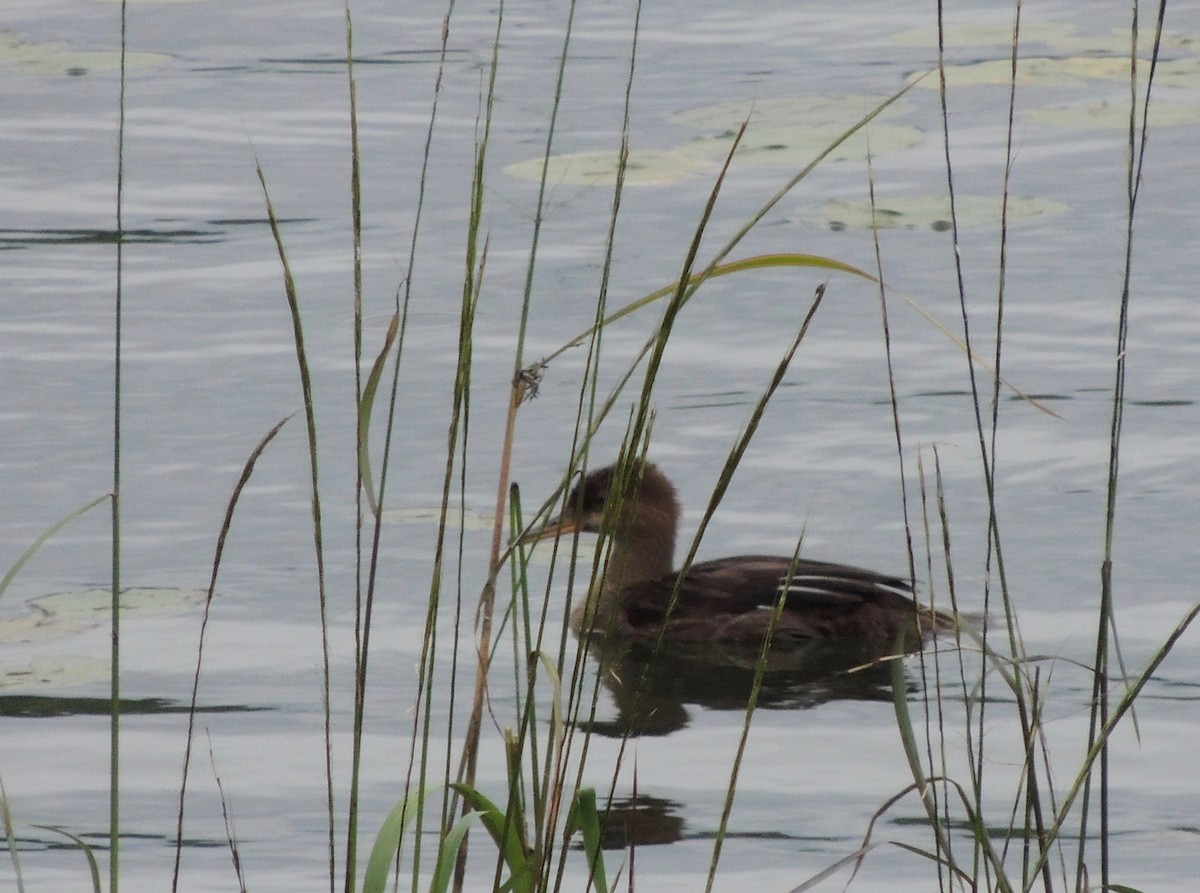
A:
[653,689]
[640,821]
[40,706]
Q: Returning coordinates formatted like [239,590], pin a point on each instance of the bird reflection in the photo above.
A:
[652,689]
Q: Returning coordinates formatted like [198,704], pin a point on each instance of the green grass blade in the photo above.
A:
[757,262]
[585,818]
[11,837]
[45,535]
[506,835]
[387,841]
[851,859]
[83,848]
[365,404]
[448,852]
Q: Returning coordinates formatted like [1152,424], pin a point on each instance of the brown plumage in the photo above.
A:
[726,600]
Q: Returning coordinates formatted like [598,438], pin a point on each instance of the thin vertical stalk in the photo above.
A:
[1028,723]
[472,284]
[289,287]
[1105,628]
[422,713]
[361,622]
[995,555]
[114,783]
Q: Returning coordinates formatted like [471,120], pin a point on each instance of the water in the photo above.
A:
[210,367]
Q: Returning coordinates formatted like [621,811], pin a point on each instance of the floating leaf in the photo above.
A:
[1106,115]
[67,613]
[926,212]
[147,601]
[54,670]
[37,626]
[643,167]
[809,110]
[797,144]
[793,130]
[56,58]
[1000,34]
[1035,71]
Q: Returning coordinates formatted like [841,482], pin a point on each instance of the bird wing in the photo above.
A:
[747,583]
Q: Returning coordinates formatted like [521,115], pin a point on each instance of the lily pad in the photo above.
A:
[56,58]
[1037,71]
[147,601]
[54,670]
[1116,42]
[1105,115]
[801,144]
[1054,34]
[643,168]
[810,110]
[67,613]
[794,130]
[1059,37]
[926,212]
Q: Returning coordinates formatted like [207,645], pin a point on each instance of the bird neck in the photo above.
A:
[634,558]
[640,557]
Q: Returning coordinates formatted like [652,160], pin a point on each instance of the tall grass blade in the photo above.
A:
[10,837]
[88,854]
[418,756]
[365,404]
[837,866]
[448,852]
[247,471]
[506,834]
[114,756]
[43,537]
[226,815]
[585,819]
[758,262]
[1106,627]
[387,841]
[293,301]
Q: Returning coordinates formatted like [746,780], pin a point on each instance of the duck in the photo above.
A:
[641,595]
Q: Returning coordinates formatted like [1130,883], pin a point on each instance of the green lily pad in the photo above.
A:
[794,130]
[811,110]
[67,613]
[1105,115]
[1116,42]
[1181,73]
[799,145]
[926,212]
[643,168]
[998,34]
[54,670]
[55,58]
[146,601]
[38,627]
[1035,71]
[1060,37]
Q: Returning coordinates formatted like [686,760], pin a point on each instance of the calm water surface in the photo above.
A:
[210,367]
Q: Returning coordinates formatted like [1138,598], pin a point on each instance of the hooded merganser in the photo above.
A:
[726,600]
